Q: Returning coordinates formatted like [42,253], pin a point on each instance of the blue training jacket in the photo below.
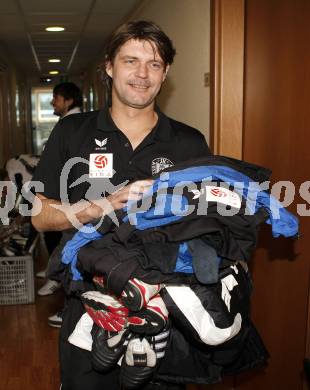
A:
[283,222]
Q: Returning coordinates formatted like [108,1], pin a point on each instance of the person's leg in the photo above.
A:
[75,363]
[52,239]
[77,372]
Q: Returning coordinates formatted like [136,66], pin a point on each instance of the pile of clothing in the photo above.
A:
[167,290]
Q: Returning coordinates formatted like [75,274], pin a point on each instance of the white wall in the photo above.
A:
[187,22]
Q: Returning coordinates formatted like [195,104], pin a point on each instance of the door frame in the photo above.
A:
[227,77]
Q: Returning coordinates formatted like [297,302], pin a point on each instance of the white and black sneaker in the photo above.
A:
[142,358]
[41,274]
[108,347]
[137,294]
[49,288]
[153,317]
[55,320]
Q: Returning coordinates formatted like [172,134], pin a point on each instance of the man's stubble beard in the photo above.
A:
[132,104]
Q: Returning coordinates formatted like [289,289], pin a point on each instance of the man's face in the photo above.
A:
[60,105]
[137,72]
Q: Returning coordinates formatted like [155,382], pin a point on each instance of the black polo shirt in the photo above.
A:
[101,149]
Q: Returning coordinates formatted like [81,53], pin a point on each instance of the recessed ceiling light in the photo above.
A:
[53,72]
[55,28]
[54,60]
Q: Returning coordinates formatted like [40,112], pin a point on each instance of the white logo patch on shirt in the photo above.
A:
[101,165]
[222,195]
[160,163]
[101,144]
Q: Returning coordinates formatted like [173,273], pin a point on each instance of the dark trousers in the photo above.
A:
[75,363]
[52,239]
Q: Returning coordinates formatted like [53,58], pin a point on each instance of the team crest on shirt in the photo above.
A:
[160,163]
[101,165]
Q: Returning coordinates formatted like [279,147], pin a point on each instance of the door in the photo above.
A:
[274,132]
[43,119]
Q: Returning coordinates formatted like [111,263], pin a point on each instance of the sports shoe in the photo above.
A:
[108,347]
[137,294]
[55,320]
[41,274]
[141,359]
[154,317]
[49,288]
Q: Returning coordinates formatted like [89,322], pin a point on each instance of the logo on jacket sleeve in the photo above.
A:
[223,195]
[160,163]
[220,195]
[101,165]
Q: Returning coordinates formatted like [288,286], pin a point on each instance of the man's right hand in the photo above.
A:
[51,214]
[117,200]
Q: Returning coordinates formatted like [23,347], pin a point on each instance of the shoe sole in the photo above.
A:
[54,324]
[154,321]
[133,296]
[41,276]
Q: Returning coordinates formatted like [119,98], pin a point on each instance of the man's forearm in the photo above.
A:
[55,215]
[50,214]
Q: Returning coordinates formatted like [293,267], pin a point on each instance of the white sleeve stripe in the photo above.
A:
[162,335]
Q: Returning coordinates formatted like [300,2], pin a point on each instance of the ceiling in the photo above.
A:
[87,23]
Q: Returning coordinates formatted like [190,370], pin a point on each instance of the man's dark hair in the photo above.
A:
[69,91]
[140,30]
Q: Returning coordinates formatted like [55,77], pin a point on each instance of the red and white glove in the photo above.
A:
[105,310]
[109,313]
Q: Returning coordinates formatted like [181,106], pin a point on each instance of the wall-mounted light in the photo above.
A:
[53,60]
[53,72]
[55,28]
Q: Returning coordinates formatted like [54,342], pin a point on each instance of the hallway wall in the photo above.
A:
[187,23]
[13,109]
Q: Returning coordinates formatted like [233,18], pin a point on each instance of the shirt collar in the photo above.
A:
[162,130]
[75,110]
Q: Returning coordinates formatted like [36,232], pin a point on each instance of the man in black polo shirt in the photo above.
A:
[126,143]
